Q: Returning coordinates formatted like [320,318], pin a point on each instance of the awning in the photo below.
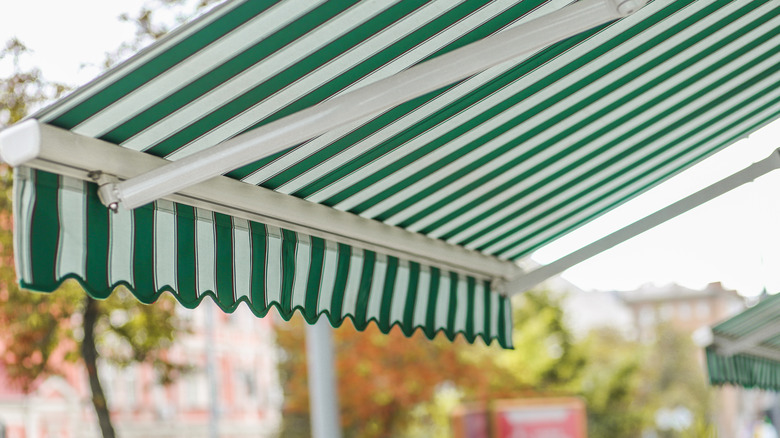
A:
[494,166]
[745,349]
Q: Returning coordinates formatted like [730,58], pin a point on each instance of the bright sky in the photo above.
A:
[734,239]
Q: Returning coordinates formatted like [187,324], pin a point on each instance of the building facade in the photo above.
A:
[231,356]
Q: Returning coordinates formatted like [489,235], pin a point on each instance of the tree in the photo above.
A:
[391,385]
[39,332]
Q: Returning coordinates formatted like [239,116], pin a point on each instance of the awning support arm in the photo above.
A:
[58,150]
[755,170]
[371,99]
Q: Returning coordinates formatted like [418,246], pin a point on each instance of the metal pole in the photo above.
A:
[323,394]
[211,372]
[531,279]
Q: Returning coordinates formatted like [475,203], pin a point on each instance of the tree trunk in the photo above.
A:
[89,352]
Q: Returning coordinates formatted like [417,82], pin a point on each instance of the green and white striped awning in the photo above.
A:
[745,349]
[501,163]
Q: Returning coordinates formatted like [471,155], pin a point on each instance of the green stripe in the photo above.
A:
[743,370]
[259,237]
[511,164]
[361,306]
[289,75]
[387,295]
[604,165]
[185,255]
[453,309]
[315,277]
[411,298]
[471,296]
[433,295]
[44,230]
[289,247]
[342,272]
[331,150]
[420,127]
[223,227]
[593,138]
[97,244]
[676,122]
[223,73]
[151,69]
[678,168]
[143,254]
[495,85]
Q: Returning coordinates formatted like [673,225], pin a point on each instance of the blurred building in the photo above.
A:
[688,310]
[248,402]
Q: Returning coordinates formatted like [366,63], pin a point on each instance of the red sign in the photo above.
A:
[471,422]
[540,418]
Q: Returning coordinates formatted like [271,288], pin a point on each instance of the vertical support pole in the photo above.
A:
[323,395]
[211,370]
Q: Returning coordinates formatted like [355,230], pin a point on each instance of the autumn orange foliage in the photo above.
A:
[381,377]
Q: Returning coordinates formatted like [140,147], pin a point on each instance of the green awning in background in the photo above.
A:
[501,163]
[745,350]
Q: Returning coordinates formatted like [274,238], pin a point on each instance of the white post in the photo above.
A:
[323,394]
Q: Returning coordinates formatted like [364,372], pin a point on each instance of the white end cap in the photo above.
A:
[21,142]
[628,7]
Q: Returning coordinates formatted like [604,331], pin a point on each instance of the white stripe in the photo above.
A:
[423,293]
[255,75]
[381,135]
[318,78]
[273,266]
[205,257]
[703,65]
[680,131]
[494,299]
[164,245]
[374,308]
[352,288]
[508,327]
[24,201]
[462,309]
[242,259]
[71,253]
[682,114]
[302,265]
[140,59]
[121,250]
[400,292]
[192,68]
[465,116]
[329,266]
[729,118]
[478,310]
[628,69]
[409,120]
[443,301]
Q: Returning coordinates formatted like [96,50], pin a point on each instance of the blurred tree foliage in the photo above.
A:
[390,385]
[41,333]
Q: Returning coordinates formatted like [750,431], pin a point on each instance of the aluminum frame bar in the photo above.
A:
[57,150]
[370,100]
[323,390]
[746,175]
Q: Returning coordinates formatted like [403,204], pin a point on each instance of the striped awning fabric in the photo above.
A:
[501,163]
[757,364]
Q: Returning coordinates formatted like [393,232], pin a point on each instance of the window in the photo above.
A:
[703,310]
[684,311]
